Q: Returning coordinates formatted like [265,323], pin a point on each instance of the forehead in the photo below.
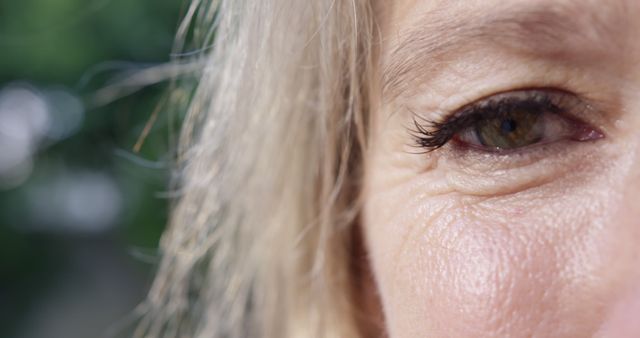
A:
[398,11]
[419,35]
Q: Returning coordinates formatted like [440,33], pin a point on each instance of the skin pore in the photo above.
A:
[538,241]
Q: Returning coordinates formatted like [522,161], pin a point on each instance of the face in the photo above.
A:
[502,185]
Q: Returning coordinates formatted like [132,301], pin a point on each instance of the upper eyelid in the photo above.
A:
[562,98]
[554,96]
[489,105]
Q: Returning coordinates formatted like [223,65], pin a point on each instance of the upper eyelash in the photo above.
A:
[431,135]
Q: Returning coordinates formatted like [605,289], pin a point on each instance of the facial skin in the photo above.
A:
[542,241]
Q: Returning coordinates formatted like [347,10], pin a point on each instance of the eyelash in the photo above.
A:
[432,135]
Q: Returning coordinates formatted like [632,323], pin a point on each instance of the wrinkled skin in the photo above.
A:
[543,242]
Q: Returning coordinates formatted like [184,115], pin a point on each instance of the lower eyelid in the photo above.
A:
[490,173]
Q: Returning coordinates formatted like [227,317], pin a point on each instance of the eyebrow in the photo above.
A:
[540,29]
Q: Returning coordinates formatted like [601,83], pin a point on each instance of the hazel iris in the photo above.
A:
[515,129]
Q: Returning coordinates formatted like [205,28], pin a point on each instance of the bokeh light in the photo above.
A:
[81,210]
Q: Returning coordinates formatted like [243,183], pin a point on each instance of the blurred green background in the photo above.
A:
[81,211]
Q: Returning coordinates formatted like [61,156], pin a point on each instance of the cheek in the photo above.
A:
[537,264]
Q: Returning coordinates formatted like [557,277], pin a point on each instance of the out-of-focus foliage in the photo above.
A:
[80,210]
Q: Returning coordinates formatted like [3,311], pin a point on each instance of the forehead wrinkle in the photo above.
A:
[553,30]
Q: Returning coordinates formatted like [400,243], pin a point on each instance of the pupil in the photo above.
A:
[508,126]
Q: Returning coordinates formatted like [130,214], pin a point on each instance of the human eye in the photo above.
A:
[509,122]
